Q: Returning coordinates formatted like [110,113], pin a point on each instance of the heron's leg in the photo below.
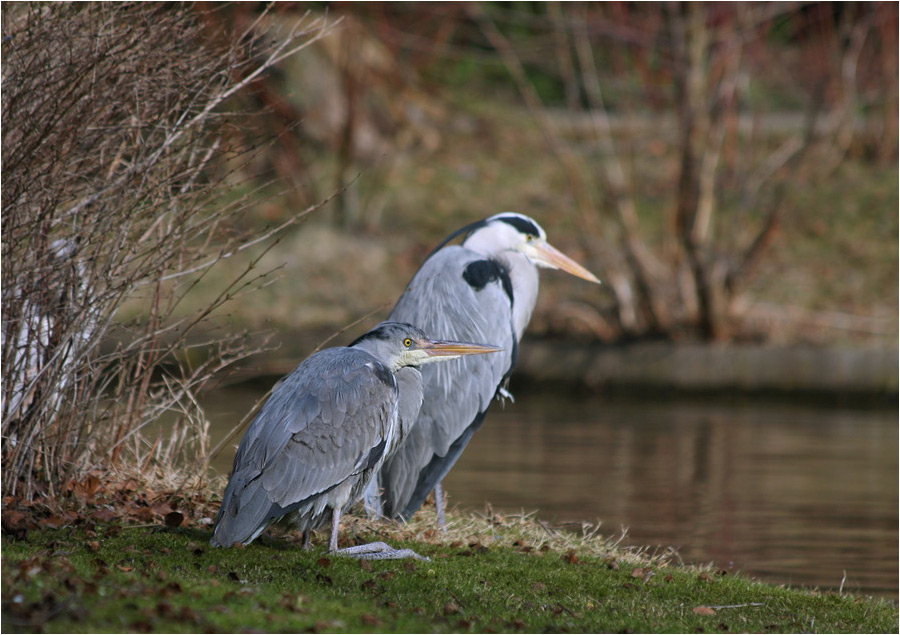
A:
[372,499]
[335,523]
[378,551]
[306,540]
[440,504]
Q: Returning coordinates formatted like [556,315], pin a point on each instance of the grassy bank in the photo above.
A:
[83,573]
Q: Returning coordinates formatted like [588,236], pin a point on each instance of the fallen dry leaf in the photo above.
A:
[53,522]
[128,485]
[161,509]
[644,573]
[87,488]
[704,610]
[103,515]
[174,519]
[13,518]
[144,514]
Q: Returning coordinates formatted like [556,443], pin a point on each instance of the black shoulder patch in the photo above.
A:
[480,273]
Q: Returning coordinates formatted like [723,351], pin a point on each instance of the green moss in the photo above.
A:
[171,580]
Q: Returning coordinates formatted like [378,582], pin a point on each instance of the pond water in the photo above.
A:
[800,495]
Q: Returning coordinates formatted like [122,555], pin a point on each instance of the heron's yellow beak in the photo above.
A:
[543,253]
[446,348]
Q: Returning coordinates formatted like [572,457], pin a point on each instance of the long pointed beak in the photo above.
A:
[446,348]
[542,252]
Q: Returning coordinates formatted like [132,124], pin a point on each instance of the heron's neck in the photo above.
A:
[524,278]
[409,383]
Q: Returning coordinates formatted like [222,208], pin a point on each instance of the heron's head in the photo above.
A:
[516,232]
[397,344]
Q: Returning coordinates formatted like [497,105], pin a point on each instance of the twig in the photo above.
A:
[350,326]
[262,237]
[181,126]
[549,530]
[237,428]
[565,608]
[456,597]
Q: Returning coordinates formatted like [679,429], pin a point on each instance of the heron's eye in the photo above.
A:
[407,342]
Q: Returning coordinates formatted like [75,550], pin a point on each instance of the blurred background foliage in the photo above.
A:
[728,169]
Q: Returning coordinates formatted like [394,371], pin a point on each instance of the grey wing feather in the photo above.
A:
[329,420]
[456,393]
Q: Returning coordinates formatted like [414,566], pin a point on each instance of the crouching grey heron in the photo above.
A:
[482,290]
[325,431]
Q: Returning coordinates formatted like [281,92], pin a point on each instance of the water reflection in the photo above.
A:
[797,495]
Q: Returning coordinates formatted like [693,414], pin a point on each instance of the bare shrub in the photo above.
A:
[117,164]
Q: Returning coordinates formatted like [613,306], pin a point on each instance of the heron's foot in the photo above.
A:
[378,551]
[503,394]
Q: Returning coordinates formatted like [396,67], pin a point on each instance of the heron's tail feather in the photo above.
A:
[246,511]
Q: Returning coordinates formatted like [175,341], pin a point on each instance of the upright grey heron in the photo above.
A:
[482,290]
[325,431]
